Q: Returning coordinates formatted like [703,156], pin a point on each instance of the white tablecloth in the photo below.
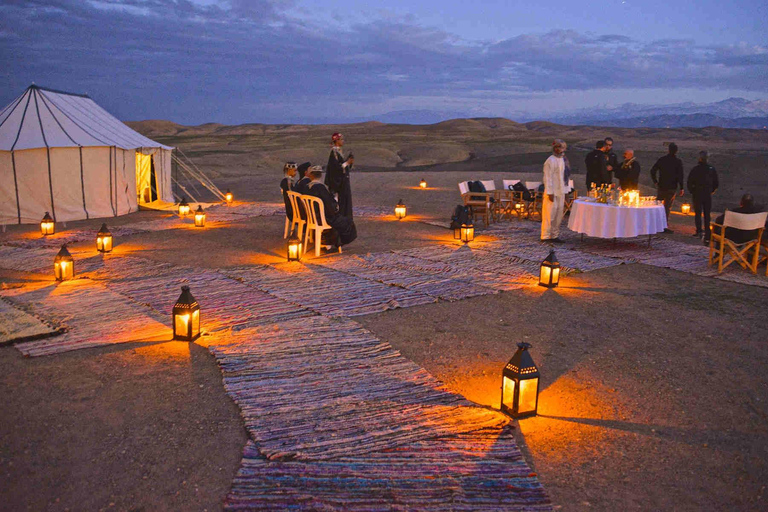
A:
[607,221]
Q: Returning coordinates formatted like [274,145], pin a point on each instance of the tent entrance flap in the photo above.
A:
[146,181]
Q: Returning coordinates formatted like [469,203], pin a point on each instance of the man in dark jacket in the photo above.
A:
[597,166]
[628,172]
[702,183]
[613,160]
[344,230]
[670,175]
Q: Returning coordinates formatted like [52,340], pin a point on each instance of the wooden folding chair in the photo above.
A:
[493,204]
[534,206]
[720,246]
[763,248]
[316,222]
[514,197]
[479,201]
[297,207]
[570,197]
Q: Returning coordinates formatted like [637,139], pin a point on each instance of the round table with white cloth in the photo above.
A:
[608,221]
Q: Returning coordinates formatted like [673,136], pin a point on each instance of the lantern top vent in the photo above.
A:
[63,254]
[103,231]
[186,300]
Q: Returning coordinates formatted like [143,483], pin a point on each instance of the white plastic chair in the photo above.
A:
[297,222]
[316,222]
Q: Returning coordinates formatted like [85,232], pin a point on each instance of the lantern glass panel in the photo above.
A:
[528,391]
[104,243]
[200,220]
[64,270]
[294,250]
[46,227]
[546,274]
[181,322]
[195,323]
[467,233]
[400,212]
[508,393]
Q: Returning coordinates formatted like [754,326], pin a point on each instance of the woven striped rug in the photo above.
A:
[17,325]
[40,259]
[477,471]
[536,252]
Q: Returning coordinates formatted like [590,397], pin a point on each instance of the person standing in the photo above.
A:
[628,172]
[669,169]
[556,175]
[337,175]
[702,183]
[613,161]
[597,166]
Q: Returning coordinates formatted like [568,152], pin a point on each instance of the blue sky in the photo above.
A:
[238,61]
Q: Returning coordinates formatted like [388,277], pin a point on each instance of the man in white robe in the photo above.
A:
[555,181]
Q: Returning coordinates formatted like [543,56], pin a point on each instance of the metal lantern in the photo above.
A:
[104,239]
[685,208]
[423,183]
[63,265]
[228,197]
[47,226]
[186,317]
[400,210]
[183,207]
[467,232]
[295,248]
[549,272]
[520,384]
[199,217]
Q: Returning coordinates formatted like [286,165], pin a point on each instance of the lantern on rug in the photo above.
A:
[183,207]
[549,272]
[685,208]
[295,248]
[228,197]
[186,317]
[467,232]
[520,384]
[519,207]
[63,265]
[199,217]
[104,239]
[47,226]
[423,183]
[400,210]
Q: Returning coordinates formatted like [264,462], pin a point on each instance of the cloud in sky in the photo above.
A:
[237,61]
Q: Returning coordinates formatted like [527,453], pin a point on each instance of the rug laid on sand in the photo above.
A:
[477,471]
[17,325]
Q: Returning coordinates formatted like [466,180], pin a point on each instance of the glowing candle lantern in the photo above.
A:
[295,248]
[423,183]
[400,210]
[520,384]
[467,232]
[229,197]
[63,265]
[183,207]
[104,239]
[685,208]
[199,217]
[186,317]
[47,226]
[549,272]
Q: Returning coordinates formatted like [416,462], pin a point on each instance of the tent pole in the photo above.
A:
[82,182]
[16,186]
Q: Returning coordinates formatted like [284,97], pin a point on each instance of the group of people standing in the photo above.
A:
[335,192]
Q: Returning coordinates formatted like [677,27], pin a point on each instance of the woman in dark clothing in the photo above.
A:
[337,175]
[289,170]
[629,171]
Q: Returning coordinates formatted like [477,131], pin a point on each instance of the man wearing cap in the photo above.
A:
[556,175]
[702,183]
[670,176]
[344,230]
[337,175]
[286,184]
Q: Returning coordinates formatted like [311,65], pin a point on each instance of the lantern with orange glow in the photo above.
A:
[229,197]
[183,207]
[295,248]
[47,226]
[685,208]
[63,265]
[520,384]
[186,317]
[467,232]
[199,217]
[549,271]
[104,239]
[400,210]
[423,183]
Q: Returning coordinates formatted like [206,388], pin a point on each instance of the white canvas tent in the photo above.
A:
[62,153]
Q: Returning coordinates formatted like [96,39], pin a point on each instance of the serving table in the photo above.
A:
[602,220]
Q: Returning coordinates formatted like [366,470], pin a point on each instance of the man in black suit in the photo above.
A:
[597,166]
[702,183]
[613,161]
[670,175]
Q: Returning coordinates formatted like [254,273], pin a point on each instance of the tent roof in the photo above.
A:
[43,117]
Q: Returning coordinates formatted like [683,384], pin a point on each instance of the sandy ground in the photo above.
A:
[654,392]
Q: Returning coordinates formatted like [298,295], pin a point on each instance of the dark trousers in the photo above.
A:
[668,196]
[702,203]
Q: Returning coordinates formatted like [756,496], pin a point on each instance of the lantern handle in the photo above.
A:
[524,345]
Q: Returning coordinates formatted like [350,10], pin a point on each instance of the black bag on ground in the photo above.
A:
[461,215]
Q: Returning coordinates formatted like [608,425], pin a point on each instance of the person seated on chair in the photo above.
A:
[289,171]
[344,230]
[303,168]
[302,186]
[740,236]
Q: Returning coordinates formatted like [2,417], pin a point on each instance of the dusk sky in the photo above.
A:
[239,61]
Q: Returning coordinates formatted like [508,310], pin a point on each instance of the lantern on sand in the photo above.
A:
[199,217]
[63,265]
[186,317]
[228,197]
[423,183]
[467,232]
[47,226]
[183,207]
[520,384]
[685,208]
[400,210]
[295,248]
[549,271]
[104,239]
